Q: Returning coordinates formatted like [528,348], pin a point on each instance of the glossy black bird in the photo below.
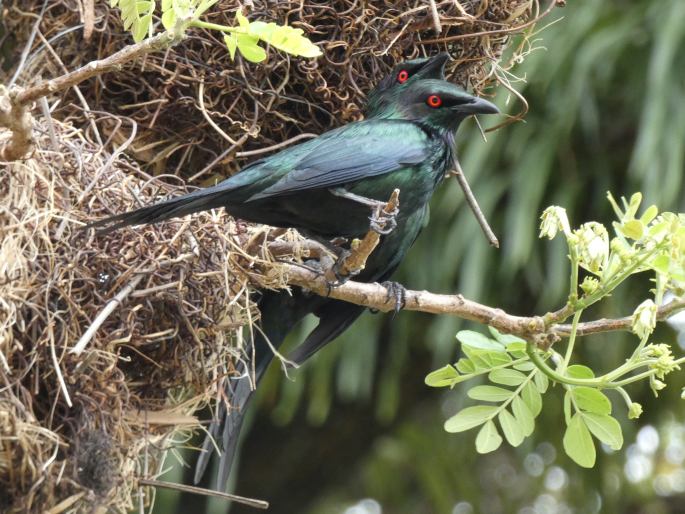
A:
[309,185]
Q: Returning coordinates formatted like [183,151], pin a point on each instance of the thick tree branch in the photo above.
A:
[542,330]
[16,102]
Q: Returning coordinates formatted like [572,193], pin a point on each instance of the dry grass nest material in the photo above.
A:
[259,105]
[84,427]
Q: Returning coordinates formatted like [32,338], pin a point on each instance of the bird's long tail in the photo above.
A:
[200,200]
[280,312]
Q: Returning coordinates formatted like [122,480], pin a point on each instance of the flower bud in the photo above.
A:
[554,219]
[634,411]
[644,319]
[593,246]
[589,285]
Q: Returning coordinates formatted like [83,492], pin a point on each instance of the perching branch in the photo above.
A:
[356,260]
[15,103]
[542,330]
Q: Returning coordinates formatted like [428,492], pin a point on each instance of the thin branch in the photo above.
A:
[93,68]
[257,504]
[15,103]
[104,314]
[542,330]
[437,26]
[473,203]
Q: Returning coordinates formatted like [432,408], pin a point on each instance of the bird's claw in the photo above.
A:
[397,292]
[338,278]
[383,222]
[320,265]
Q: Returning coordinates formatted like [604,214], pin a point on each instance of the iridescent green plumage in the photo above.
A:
[405,144]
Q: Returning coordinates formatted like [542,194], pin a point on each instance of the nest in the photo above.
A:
[85,424]
[261,105]
[79,429]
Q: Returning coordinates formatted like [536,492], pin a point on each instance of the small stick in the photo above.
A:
[250,502]
[356,260]
[437,26]
[473,203]
[104,314]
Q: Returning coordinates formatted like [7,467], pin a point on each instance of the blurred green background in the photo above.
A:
[356,431]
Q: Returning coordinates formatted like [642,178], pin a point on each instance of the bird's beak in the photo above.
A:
[479,106]
[435,66]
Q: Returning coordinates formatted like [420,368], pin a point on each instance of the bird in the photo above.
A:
[406,144]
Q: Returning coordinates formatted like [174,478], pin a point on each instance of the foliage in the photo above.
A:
[652,243]
[179,15]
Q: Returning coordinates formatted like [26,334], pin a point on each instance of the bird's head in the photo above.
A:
[440,105]
[402,76]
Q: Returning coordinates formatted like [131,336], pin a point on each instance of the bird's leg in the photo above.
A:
[382,221]
[395,291]
[337,274]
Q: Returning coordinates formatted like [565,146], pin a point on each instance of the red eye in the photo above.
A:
[434,101]
[402,76]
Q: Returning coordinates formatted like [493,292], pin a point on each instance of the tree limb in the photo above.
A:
[15,103]
[542,330]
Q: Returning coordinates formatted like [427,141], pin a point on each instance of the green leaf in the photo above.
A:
[285,38]
[505,376]
[443,377]
[488,393]
[242,20]
[465,366]
[633,229]
[203,6]
[517,349]
[579,371]
[541,381]
[605,428]
[470,417]
[488,439]
[506,339]
[567,407]
[512,430]
[531,396]
[523,416]
[250,49]
[142,27]
[231,43]
[143,7]
[169,19]
[590,399]
[662,263]
[649,214]
[478,340]
[578,443]
[486,359]
[525,366]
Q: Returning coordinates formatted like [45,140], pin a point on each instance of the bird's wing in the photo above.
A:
[365,150]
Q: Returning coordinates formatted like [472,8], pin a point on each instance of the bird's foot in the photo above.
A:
[397,292]
[383,222]
[335,276]
[321,265]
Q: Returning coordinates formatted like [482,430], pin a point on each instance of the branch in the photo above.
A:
[356,260]
[542,330]
[257,504]
[16,102]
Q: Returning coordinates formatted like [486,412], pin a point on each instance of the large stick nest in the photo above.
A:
[77,430]
[259,105]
